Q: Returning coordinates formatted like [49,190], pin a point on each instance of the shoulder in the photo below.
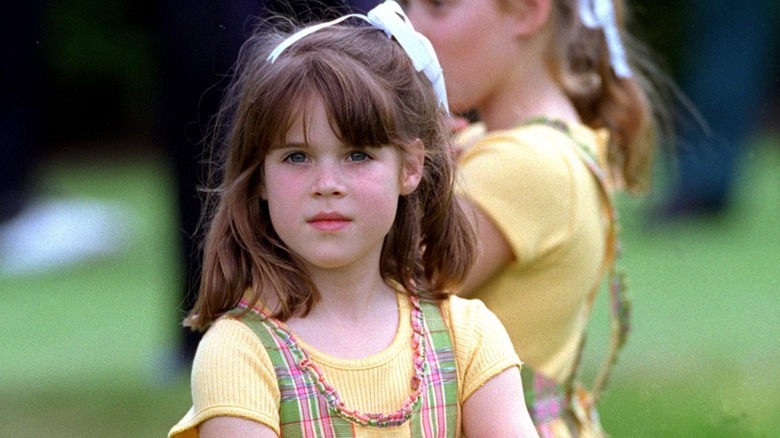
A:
[529,159]
[231,344]
[227,341]
[232,375]
[527,181]
[468,318]
[523,142]
[462,310]
[482,346]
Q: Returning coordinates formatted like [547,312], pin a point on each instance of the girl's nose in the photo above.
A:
[329,181]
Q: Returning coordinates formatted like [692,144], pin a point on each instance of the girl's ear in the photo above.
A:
[412,171]
[530,16]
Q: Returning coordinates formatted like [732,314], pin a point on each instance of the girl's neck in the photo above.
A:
[342,295]
[530,93]
[351,320]
[351,299]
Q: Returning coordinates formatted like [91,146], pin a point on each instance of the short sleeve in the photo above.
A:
[523,184]
[482,346]
[232,376]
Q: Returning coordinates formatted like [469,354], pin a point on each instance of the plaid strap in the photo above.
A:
[438,416]
[305,411]
[570,402]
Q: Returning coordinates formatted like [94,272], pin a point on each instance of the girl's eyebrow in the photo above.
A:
[292,145]
[302,145]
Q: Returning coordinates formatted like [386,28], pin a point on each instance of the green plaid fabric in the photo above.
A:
[307,408]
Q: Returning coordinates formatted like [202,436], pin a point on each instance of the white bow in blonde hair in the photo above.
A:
[600,14]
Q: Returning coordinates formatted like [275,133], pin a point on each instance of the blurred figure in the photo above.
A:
[568,122]
[20,73]
[726,65]
[38,233]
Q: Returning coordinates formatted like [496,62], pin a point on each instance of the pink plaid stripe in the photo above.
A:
[438,413]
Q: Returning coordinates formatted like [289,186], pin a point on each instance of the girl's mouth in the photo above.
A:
[329,221]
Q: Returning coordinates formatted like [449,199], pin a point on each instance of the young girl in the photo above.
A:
[333,247]
[567,122]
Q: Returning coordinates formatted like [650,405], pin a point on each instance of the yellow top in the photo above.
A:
[535,188]
[232,374]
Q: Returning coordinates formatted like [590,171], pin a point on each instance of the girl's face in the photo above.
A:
[474,42]
[332,204]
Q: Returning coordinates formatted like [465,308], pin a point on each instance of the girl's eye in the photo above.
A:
[436,5]
[358,156]
[295,157]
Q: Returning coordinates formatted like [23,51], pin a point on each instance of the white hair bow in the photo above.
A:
[600,14]
[390,18]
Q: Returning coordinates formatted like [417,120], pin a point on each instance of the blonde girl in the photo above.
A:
[566,120]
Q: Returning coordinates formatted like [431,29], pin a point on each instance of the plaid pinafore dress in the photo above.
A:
[310,407]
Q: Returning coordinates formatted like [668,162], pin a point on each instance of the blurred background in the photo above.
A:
[104,107]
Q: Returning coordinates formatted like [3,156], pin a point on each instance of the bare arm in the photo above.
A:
[230,427]
[498,410]
[494,250]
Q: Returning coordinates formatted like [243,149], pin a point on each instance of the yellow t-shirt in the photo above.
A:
[232,374]
[536,189]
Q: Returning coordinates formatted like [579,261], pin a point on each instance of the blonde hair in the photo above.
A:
[373,97]
[630,108]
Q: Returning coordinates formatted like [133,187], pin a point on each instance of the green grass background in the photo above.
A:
[81,347]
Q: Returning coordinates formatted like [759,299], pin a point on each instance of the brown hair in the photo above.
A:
[373,97]
[630,108]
